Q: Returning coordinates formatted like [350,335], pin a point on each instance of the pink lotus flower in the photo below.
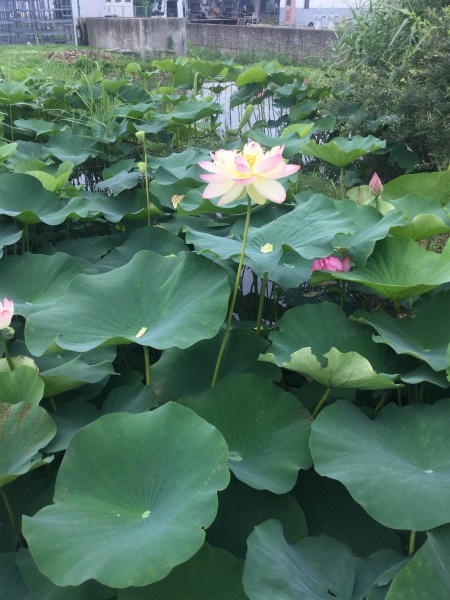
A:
[375,185]
[6,313]
[253,171]
[332,263]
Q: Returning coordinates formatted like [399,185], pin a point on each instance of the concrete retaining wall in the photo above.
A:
[147,37]
[298,43]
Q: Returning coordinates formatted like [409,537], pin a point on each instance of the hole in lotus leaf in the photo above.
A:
[145,514]
[429,471]
[233,455]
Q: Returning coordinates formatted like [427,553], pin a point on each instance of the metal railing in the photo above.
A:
[36,22]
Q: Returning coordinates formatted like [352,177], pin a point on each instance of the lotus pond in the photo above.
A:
[224,391]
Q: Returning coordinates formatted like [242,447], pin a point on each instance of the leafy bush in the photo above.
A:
[396,66]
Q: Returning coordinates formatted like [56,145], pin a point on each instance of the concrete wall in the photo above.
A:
[147,37]
[298,43]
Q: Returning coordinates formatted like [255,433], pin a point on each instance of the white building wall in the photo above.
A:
[102,8]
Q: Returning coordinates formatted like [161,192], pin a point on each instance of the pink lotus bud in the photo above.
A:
[332,263]
[6,313]
[375,185]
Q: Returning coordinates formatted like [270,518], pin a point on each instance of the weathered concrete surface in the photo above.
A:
[298,43]
[147,37]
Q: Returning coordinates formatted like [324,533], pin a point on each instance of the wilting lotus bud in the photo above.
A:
[375,185]
[6,313]
[140,136]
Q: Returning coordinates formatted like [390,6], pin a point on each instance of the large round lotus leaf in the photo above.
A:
[212,573]
[317,326]
[421,334]
[21,385]
[330,511]
[309,229]
[24,430]
[153,301]
[423,217]
[370,227]
[36,281]
[266,429]
[240,356]
[75,145]
[134,495]
[435,184]
[44,589]
[340,152]
[155,239]
[312,569]
[397,269]
[404,453]
[256,258]
[342,369]
[24,198]
[241,508]
[427,575]
[190,111]
[131,205]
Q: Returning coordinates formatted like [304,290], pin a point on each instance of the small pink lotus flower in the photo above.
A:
[375,185]
[332,263]
[253,171]
[6,313]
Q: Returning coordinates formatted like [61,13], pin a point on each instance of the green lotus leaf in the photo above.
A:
[155,239]
[24,430]
[36,281]
[90,249]
[318,326]
[291,271]
[423,217]
[9,234]
[312,569]
[303,110]
[39,126]
[240,356]
[135,398]
[241,508]
[152,300]
[7,150]
[426,373]
[75,145]
[21,385]
[225,247]
[436,185]
[43,589]
[190,111]
[132,515]
[178,166]
[427,575]
[211,573]
[255,74]
[405,450]
[11,582]
[343,370]
[119,182]
[13,92]
[301,129]
[340,152]
[369,227]
[308,230]
[397,269]
[420,334]
[131,205]
[24,198]
[268,443]
[331,512]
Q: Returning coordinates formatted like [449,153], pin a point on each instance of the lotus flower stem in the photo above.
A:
[235,292]
[412,542]
[6,351]
[341,183]
[147,365]
[262,297]
[321,403]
